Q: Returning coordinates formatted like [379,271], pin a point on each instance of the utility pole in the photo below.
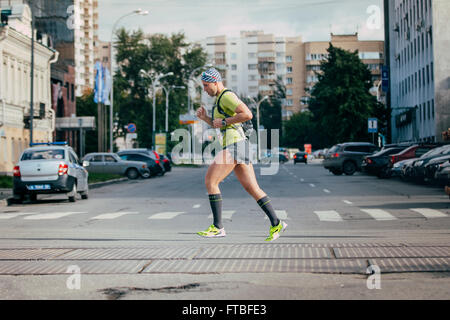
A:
[32,76]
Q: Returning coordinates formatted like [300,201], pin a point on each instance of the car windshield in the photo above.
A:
[435,151]
[333,149]
[51,154]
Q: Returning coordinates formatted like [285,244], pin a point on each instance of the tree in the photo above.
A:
[157,54]
[340,102]
[299,130]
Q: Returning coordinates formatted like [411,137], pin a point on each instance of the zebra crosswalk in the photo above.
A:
[322,215]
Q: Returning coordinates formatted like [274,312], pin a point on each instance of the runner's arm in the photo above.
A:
[243,114]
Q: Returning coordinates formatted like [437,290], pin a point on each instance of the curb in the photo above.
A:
[6,202]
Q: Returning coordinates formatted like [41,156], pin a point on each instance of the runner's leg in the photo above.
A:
[221,167]
[246,176]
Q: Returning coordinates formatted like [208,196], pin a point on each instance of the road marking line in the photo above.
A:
[379,214]
[165,215]
[281,214]
[347,202]
[330,215]
[429,213]
[226,214]
[13,215]
[326,190]
[312,185]
[113,215]
[49,216]
[196,206]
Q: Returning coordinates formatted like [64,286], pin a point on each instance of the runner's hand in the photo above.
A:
[201,113]
[217,123]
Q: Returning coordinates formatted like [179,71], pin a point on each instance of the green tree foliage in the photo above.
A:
[86,107]
[299,130]
[340,102]
[157,54]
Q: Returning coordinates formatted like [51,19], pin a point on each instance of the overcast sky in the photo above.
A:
[311,19]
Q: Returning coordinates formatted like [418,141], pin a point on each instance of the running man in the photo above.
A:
[235,155]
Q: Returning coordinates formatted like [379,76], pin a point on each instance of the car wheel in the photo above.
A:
[18,198]
[349,168]
[132,174]
[73,193]
[85,194]
[146,175]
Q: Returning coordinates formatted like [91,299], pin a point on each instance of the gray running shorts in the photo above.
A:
[241,151]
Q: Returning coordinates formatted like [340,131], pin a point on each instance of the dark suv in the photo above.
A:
[347,157]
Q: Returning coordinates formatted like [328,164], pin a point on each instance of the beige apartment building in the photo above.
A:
[253,62]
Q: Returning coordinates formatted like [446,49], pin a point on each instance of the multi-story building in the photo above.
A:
[370,52]
[86,43]
[419,66]
[103,54]
[15,86]
[252,63]
[255,60]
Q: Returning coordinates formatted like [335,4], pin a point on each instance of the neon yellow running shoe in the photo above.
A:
[275,231]
[212,232]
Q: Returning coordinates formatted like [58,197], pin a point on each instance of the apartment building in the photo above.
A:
[419,64]
[15,87]
[103,54]
[254,61]
[86,43]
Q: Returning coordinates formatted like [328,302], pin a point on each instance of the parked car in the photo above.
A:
[154,167]
[433,165]
[301,157]
[49,168]
[153,154]
[378,163]
[442,174]
[399,167]
[284,152]
[107,162]
[414,151]
[166,162]
[347,157]
[282,158]
[418,166]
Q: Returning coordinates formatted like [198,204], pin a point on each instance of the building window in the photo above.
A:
[233,78]
[252,67]
[289,102]
[289,80]
[251,55]
[234,67]
[289,92]
[289,69]
[233,56]
[288,58]
[252,77]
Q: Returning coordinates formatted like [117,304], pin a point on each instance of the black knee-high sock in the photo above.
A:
[215,200]
[265,204]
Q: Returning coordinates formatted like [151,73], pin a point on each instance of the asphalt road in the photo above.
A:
[136,240]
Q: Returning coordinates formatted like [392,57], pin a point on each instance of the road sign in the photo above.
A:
[131,127]
[373,125]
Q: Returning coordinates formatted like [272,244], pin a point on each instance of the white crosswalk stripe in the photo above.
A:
[13,215]
[166,215]
[113,215]
[329,215]
[281,214]
[379,214]
[226,214]
[50,216]
[429,213]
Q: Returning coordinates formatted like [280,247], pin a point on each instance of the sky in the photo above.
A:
[313,20]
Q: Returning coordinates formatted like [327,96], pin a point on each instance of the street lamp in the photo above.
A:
[167,91]
[189,80]
[139,12]
[257,122]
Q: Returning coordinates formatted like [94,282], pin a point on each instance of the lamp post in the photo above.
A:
[189,80]
[167,91]
[139,12]
[257,123]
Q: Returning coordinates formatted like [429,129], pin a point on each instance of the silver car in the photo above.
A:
[107,162]
[49,168]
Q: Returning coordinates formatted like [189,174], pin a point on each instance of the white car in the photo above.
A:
[50,168]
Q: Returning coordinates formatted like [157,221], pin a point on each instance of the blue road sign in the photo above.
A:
[131,128]
[372,125]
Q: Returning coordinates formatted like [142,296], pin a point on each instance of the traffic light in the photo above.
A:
[26,121]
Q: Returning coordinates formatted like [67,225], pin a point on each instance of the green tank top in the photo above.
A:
[229,102]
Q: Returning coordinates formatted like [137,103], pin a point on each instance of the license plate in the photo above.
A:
[39,187]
